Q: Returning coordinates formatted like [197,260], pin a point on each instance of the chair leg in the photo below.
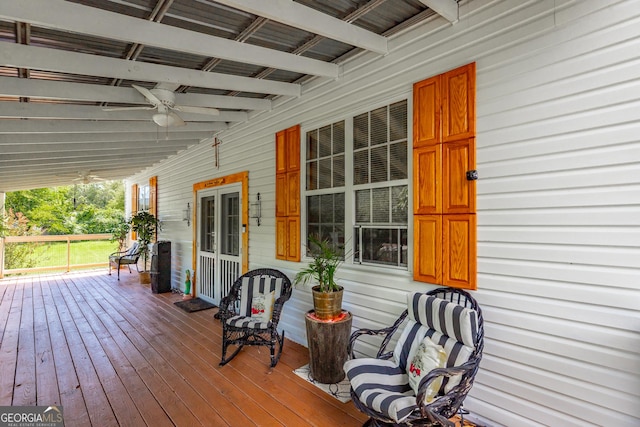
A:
[224,352]
[118,271]
[279,340]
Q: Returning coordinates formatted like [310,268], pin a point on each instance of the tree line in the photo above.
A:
[74,209]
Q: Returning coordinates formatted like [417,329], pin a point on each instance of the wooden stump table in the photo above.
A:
[328,342]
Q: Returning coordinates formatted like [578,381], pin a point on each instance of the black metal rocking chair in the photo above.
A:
[380,386]
[251,312]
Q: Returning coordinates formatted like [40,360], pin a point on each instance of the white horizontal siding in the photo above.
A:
[558,153]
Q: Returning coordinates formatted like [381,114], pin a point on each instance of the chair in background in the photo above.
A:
[128,257]
[407,386]
[251,312]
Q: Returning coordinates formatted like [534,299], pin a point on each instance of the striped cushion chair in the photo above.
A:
[380,386]
[251,311]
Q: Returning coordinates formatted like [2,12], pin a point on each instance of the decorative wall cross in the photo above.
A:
[215,145]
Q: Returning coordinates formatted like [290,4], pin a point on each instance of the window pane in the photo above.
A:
[326,208]
[325,173]
[399,204]
[379,126]
[398,118]
[381,246]
[326,217]
[398,160]
[338,171]
[338,138]
[230,231]
[312,144]
[363,206]
[361,167]
[312,175]
[380,197]
[313,209]
[379,164]
[325,141]
[361,131]
[338,211]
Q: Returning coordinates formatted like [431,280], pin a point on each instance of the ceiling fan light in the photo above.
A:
[167,119]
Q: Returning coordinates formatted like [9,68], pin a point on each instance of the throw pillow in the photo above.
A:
[262,306]
[428,357]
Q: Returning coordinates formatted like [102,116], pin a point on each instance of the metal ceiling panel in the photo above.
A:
[208,17]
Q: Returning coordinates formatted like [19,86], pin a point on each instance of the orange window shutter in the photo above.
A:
[459,249]
[427,186]
[426,115]
[427,250]
[458,103]
[459,193]
[288,194]
[153,195]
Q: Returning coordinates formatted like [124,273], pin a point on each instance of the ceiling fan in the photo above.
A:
[86,177]
[163,99]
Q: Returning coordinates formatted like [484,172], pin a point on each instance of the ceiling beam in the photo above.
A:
[50,126]
[448,9]
[66,16]
[299,16]
[121,146]
[57,90]
[89,162]
[9,159]
[39,58]
[25,138]
[14,110]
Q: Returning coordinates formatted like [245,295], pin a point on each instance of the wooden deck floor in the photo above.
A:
[112,353]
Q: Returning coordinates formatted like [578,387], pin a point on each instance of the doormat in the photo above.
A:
[195,304]
[341,390]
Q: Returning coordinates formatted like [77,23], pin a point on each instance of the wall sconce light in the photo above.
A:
[186,214]
[256,209]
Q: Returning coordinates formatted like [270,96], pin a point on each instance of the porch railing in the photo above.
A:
[62,252]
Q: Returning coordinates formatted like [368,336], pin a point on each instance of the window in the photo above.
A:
[143,198]
[369,207]
[380,186]
[325,172]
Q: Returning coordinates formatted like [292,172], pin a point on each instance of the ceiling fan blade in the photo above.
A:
[197,110]
[148,94]
[167,119]
[127,108]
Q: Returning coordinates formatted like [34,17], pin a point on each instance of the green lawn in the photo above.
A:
[50,254]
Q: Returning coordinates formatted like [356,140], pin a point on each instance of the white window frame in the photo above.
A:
[349,189]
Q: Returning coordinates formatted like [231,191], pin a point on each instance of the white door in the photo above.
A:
[219,254]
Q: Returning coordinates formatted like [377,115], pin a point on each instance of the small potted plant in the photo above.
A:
[144,225]
[327,294]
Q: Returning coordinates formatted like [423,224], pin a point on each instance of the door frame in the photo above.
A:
[242,178]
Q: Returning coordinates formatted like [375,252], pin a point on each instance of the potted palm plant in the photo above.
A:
[144,224]
[327,294]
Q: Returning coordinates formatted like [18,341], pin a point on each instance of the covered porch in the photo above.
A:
[113,353]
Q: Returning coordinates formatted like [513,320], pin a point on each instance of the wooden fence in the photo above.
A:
[69,238]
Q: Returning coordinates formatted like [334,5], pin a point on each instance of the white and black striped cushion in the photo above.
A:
[252,286]
[255,285]
[433,317]
[248,322]
[382,386]
[448,318]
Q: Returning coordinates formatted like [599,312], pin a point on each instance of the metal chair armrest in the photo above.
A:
[387,332]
